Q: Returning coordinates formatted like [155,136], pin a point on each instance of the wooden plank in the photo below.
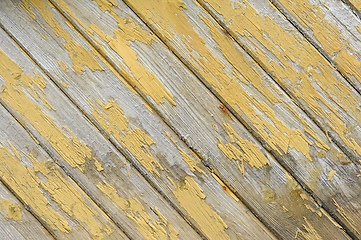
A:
[264,107]
[45,189]
[332,28]
[16,222]
[84,153]
[267,186]
[126,120]
[311,81]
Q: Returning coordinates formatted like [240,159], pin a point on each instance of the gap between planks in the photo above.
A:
[125,154]
[237,116]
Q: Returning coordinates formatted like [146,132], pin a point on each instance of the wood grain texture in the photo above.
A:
[115,17]
[297,66]
[85,154]
[42,186]
[110,104]
[332,28]
[15,221]
[279,124]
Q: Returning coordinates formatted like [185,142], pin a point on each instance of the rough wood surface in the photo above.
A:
[102,30]
[126,119]
[332,28]
[298,67]
[15,221]
[85,154]
[43,187]
[291,135]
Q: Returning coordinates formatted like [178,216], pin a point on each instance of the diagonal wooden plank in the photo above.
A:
[44,188]
[289,127]
[297,66]
[125,118]
[84,153]
[87,26]
[332,28]
[15,221]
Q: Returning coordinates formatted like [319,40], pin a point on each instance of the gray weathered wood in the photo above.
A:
[46,190]
[198,196]
[91,160]
[16,222]
[258,189]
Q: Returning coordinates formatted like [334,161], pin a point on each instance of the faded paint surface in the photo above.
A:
[295,64]
[23,93]
[10,210]
[135,211]
[166,16]
[191,198]
[24,181]
[111,117]
[137,75]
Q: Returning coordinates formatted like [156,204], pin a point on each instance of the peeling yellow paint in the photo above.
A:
[310,233]
[249,151]
[111,117]
[356,4]
[313,17]
[10,210]
[342,212]
[191,197]
[166,16]
[16,89]
[151,230]
[192,164]
[331,174]
[24,182]
[139,76]
[287,50]
[80,56]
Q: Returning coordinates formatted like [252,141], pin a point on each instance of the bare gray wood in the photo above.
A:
[15,221]
[267,187]
[197,195]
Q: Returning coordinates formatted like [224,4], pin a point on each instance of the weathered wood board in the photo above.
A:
[268,185]
[28,171]
[126,120]
[83,152]
[305,145]
[333,29]
[298,67]
[16,222]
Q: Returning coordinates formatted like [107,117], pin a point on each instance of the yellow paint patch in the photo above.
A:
[310,233]
[15,93]
[166,16]
[312,16]
[192,164]
[249,151]
[191,198]
[111,117]
[313,72]
[80,56]
[331,174]
[151,230]
[10,210]
[138,76]
[356,4]
[24,182]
